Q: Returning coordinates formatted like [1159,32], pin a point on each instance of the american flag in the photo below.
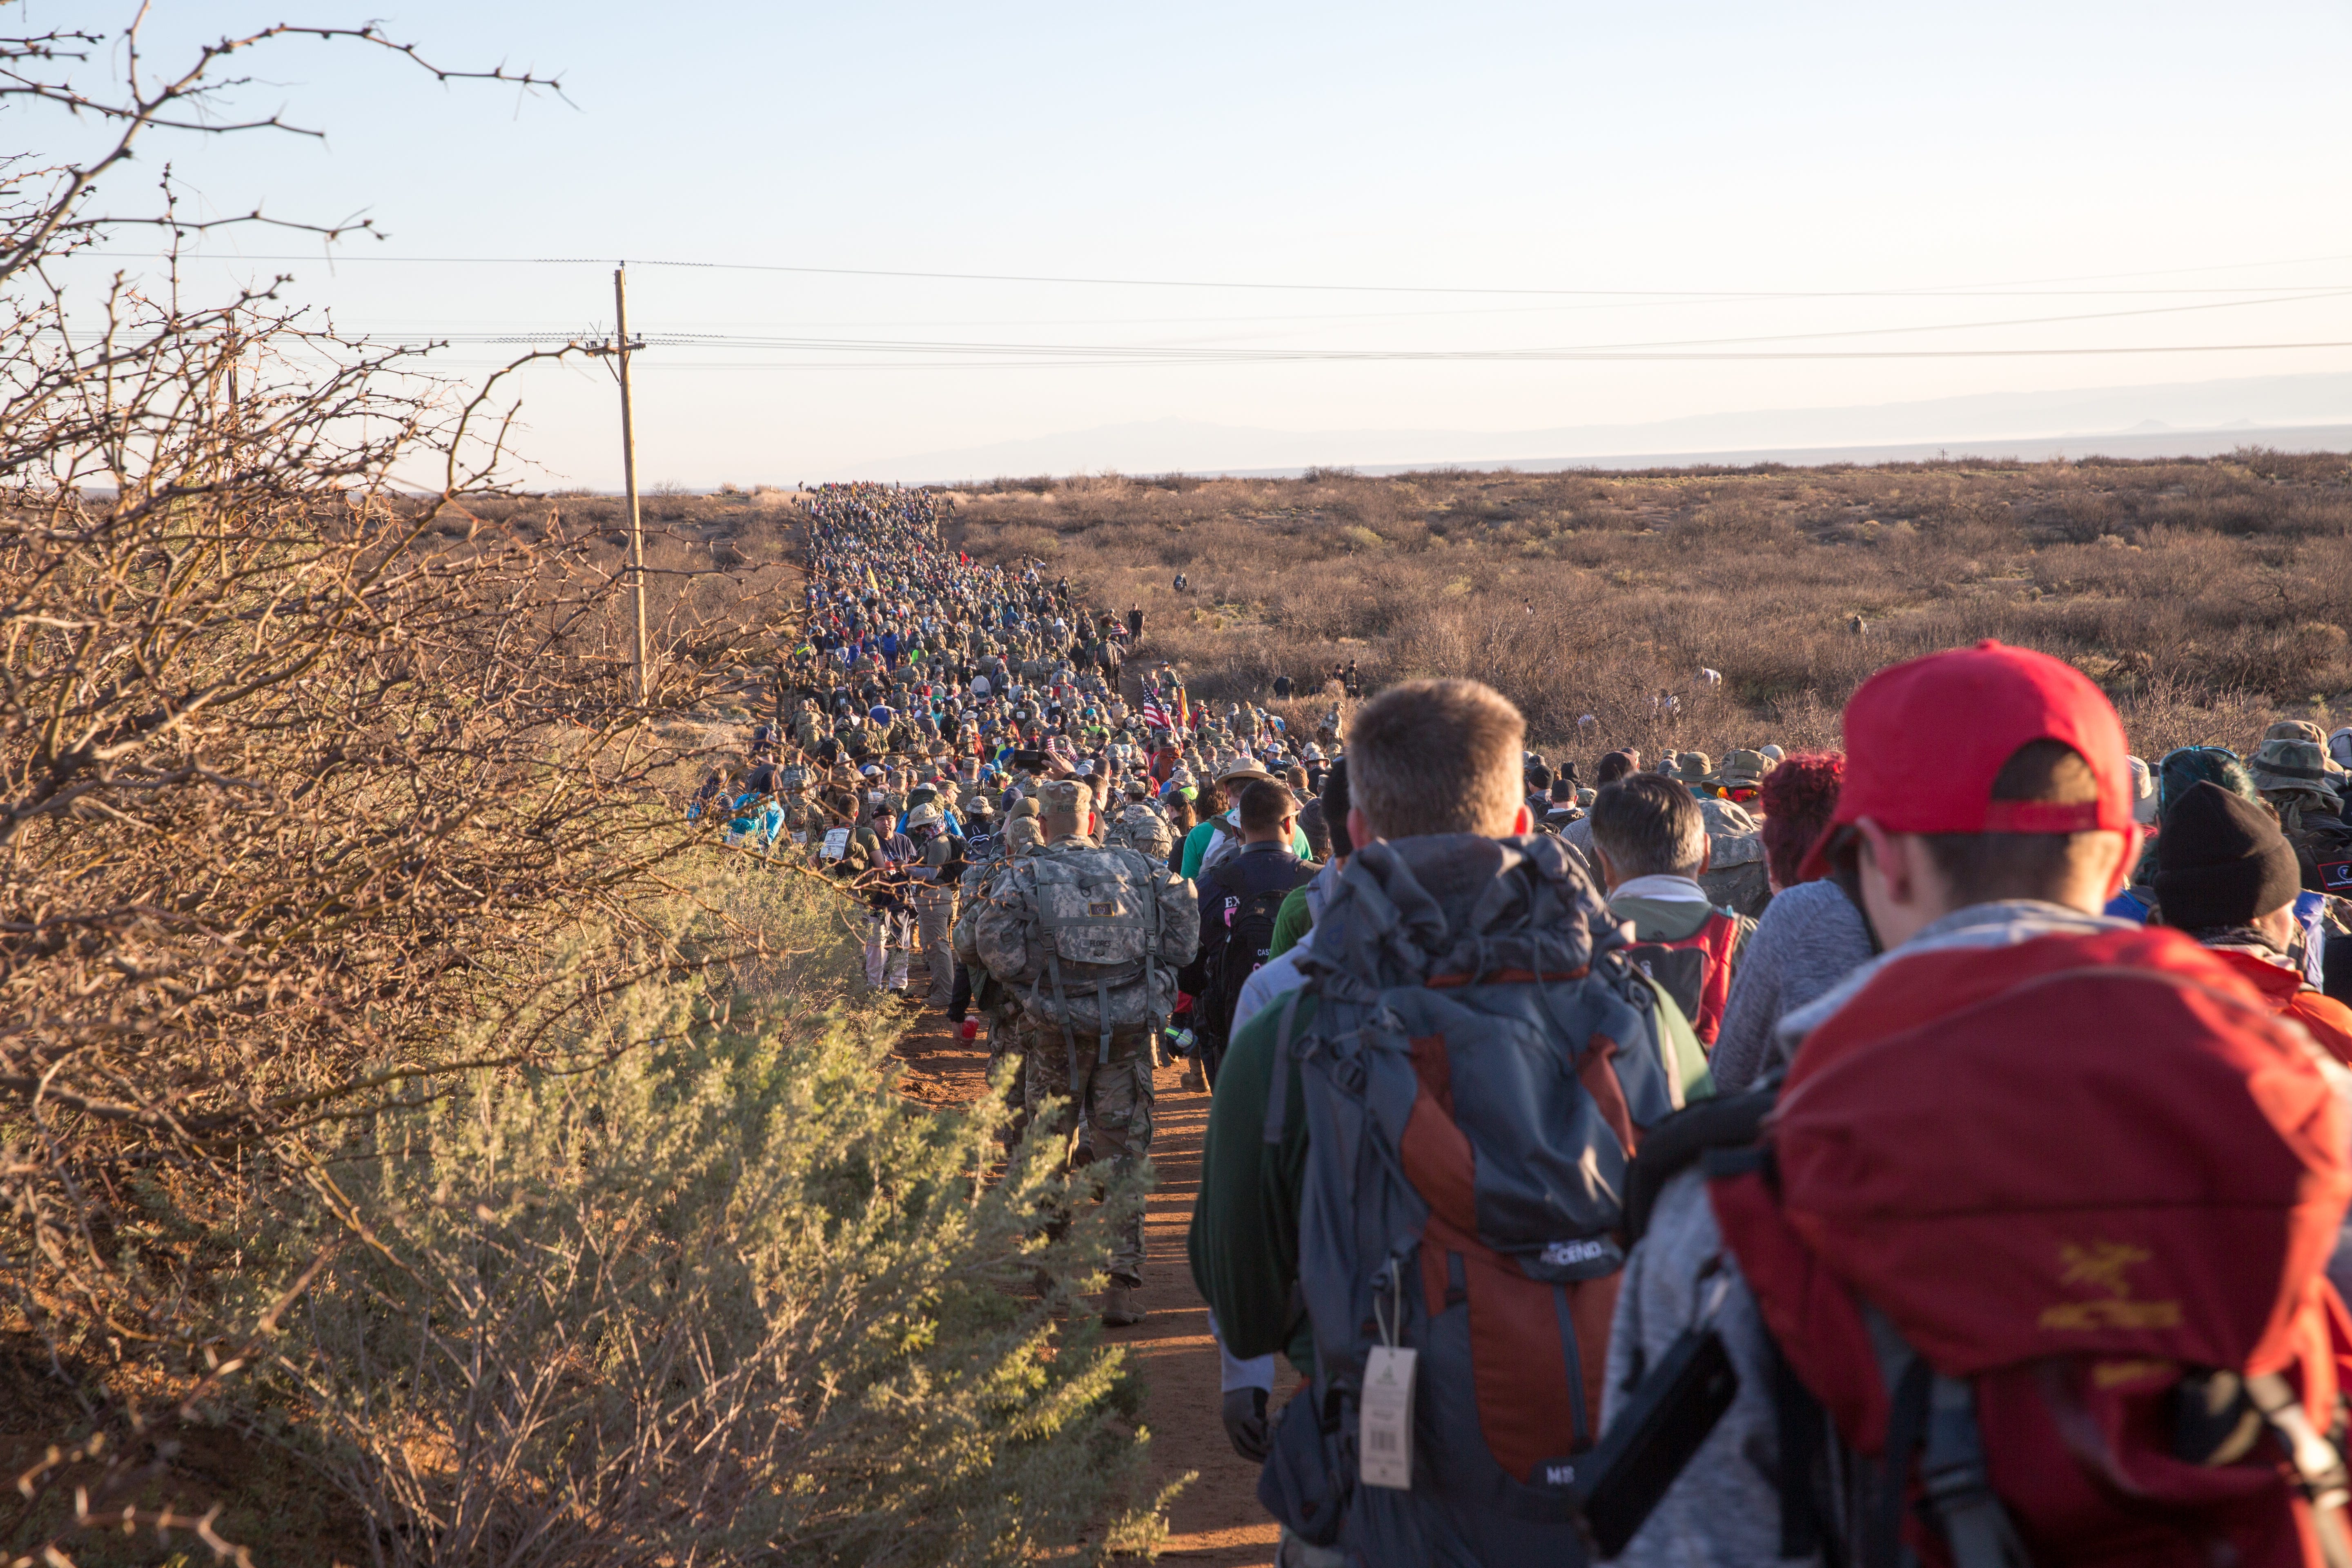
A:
[1155,716]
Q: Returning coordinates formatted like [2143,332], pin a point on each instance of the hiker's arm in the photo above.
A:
[1244,1255]
[1723,1509]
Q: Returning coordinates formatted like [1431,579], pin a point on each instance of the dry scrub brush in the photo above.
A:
[2204,593]
[367,1017]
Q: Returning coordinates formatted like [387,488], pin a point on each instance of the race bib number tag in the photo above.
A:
[1384,1450]
[837,843]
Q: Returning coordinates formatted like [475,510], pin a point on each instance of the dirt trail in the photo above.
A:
[1216,1521]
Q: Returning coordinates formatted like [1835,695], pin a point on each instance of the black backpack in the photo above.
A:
[1245,948]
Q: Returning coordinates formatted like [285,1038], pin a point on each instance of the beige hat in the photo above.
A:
[1244,768]
[1062,794]
[1025,808]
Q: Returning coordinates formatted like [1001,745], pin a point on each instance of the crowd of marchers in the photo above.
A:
[1935,1151]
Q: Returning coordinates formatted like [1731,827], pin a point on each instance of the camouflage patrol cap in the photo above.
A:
[2282,765]
[1063,795]
[1745,770]
[1024,834]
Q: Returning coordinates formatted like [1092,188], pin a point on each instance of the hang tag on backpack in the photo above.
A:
[1384,1445]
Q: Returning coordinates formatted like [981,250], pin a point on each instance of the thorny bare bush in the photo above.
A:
[333,854]
[2205,595]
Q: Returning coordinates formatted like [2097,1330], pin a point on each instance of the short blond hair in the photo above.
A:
[1437,756]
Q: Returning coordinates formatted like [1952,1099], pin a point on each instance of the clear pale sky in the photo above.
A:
[1560,146]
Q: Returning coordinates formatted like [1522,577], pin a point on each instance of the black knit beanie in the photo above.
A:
[2222,861]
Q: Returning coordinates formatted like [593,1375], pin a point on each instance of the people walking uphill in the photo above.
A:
[1411,1178]
[1090,939]
[2024,1263]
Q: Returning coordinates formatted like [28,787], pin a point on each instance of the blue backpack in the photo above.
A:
[1480,1063]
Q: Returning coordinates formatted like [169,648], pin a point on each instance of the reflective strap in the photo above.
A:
[2318,1466]
[1960,1496]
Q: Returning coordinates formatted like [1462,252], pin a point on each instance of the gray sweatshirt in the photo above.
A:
[1724,1512]
[1809,938]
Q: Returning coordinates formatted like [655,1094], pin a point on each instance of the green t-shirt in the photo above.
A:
[1244,1245]
[1291,921]
[1196,843]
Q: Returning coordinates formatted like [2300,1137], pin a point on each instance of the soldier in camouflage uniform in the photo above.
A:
[998,1004]
[1091,938]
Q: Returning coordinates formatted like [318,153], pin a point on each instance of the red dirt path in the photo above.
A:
[1216,1521]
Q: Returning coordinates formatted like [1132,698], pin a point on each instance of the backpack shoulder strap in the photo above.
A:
[1677,1143]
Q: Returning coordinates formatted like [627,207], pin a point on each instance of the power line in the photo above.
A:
[1988,292]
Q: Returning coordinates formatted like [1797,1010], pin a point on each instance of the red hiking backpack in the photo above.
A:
[2042,1228]
[1695,970]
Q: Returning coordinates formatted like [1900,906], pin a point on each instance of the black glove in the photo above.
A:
[1245,1413]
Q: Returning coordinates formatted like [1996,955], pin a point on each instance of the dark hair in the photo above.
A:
[1335,807]
[1264,804]
[1799,796]
[1984,867]
[1208,799]
[1538,776]
[1649,825]
[1613,766]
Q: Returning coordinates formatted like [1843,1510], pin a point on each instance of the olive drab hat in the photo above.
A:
[1745,770]
[2280,767]
[2296,729]
[1025,808]
[1695,768]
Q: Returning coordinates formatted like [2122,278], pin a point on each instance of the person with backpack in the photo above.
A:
[1652,843]
[1410,1175]
[2021,1260]
[1090,939]
[1239,901]
[2227,876]
[1812,935]
[1218,836]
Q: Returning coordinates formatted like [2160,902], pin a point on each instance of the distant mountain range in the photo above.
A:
[2307,413]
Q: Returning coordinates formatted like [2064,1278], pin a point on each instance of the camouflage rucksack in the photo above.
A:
[1138,826]
[1091,938]
[1735,878]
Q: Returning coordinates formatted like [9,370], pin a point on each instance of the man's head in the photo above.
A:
[2222,864]
[1615,766]
[1648,825]
[1980,774]
[1268,813]
[1435,756]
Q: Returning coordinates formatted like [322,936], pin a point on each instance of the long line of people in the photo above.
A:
[1936,1152]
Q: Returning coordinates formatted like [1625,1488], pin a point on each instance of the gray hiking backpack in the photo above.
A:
[1090,937]
[1477,1066]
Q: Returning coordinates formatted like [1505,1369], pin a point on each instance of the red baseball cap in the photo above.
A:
[1925,740]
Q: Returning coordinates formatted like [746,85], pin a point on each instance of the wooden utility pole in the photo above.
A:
[621,347]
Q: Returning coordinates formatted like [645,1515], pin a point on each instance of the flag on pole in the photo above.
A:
[1155,716]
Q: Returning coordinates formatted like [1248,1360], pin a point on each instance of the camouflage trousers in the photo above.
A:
[1116,1096]
[935,915]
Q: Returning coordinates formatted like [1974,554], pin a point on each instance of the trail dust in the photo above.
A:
[1217,1520]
